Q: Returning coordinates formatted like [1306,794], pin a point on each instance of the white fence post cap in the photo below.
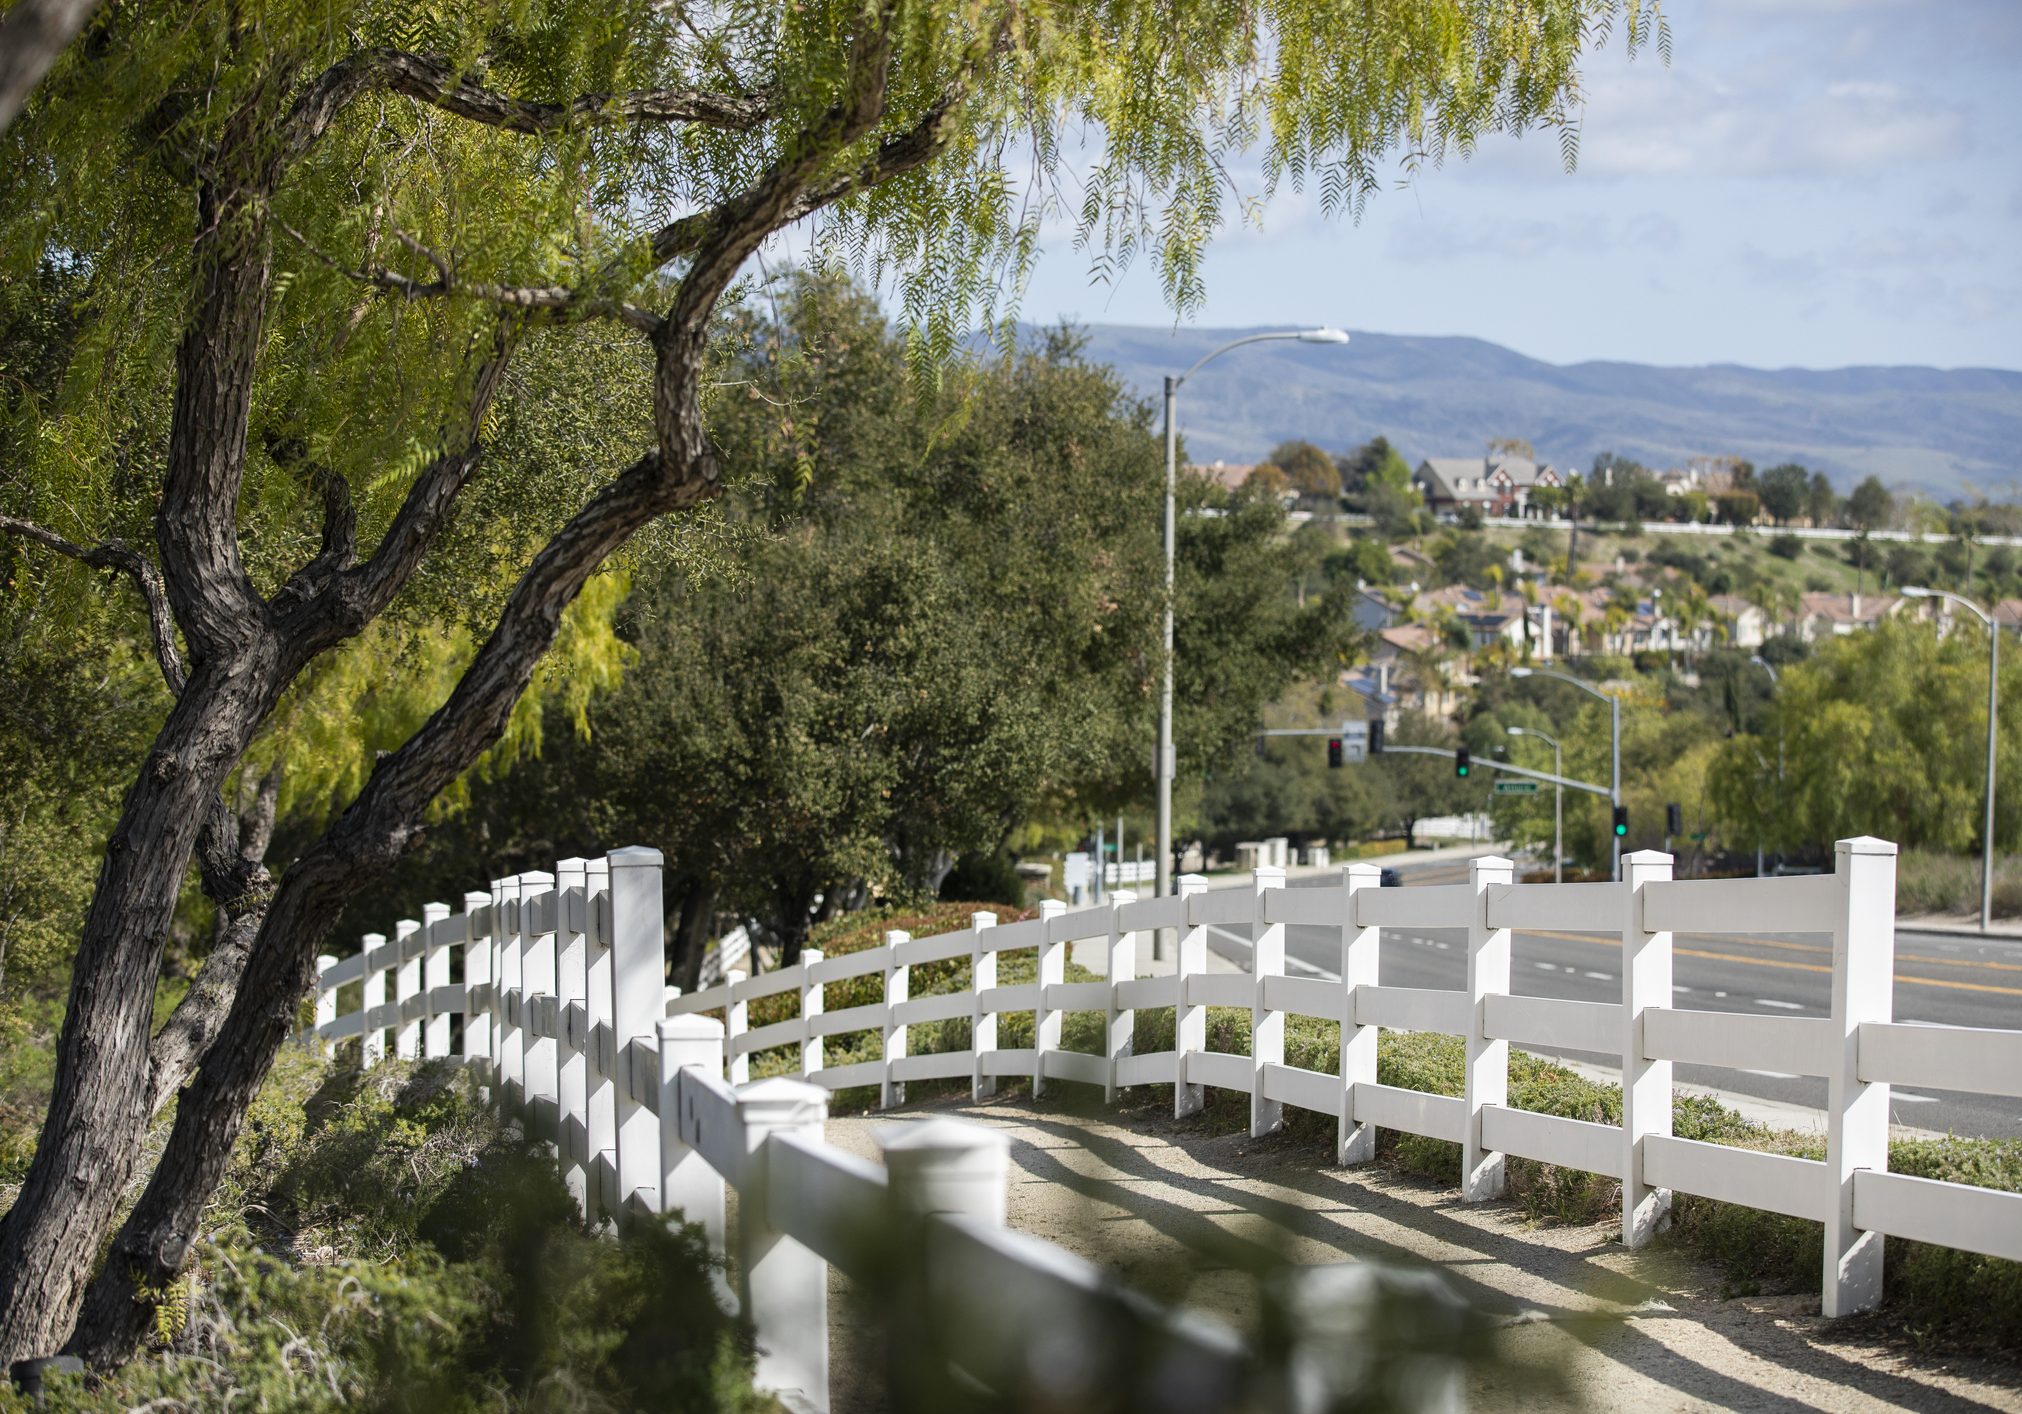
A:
[780,1101]
[1646,856]
[691,1028]
[1361,869]
[475,898]
[948,1137]
[1492,862]
[1863,844]
[635,856]
[1269,876]
[1192,883]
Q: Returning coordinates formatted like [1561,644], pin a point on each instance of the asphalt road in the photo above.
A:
[1940,979]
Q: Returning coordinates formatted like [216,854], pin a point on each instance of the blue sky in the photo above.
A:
[1811,183]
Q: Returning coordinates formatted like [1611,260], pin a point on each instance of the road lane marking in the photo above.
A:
[1781,1006]
[1600,976]
[1606,940]
[1616,943]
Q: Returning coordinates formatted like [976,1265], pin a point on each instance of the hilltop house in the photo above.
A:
[1496,485]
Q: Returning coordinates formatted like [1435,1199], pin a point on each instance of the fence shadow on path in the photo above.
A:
[1339,1211]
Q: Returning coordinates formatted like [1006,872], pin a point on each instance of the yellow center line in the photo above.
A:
[1616,943]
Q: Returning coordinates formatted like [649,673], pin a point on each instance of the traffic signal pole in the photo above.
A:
[1591,787]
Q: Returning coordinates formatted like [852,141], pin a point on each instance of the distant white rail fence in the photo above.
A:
[562,1000]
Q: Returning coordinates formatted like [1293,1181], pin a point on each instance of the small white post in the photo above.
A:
[1267,1027]
[1487,1078]
[784,1285]
[407,945]
[537,989]
[638,972]
[1052,971]
[326,1003]
[1646,1083]
[811,1008]
[480,984]
[898,988]
[1190,1019]
[690,1189]
[372,1040]
[434,973]
[512,1052]
[572,992]
[600,1078]
[1857,1111]
[1356,1143]
[736,1021]
[948,1167]
[1118,1023]
[982,1018]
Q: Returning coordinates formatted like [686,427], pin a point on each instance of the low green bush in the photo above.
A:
[384,1241]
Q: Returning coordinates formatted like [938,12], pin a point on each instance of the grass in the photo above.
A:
[1933,1294]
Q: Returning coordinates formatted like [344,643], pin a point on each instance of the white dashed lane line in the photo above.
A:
[1780,1006]
[1600,976]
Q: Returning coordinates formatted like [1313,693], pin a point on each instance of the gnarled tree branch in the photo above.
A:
[119,556]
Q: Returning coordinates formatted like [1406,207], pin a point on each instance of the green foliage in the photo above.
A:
[385,1240]
[1783,490]
[1880,733]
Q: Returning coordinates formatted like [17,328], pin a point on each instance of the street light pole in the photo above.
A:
[1993,689]
[1774,681]
[1615,755]
[1558,802]
[1167,756]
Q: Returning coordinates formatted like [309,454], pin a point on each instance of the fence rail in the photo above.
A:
[562,1003]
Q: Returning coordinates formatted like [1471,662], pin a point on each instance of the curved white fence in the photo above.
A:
[562,996]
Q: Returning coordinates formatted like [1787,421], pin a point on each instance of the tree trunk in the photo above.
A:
[691,935]
[100,1108]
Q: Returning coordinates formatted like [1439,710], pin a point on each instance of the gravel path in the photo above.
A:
[1178,1212]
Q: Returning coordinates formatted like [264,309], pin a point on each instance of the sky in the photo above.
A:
[1810,183]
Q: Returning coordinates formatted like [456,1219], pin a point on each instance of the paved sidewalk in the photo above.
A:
[1179,1211]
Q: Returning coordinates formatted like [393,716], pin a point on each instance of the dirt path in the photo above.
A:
[1179,1213]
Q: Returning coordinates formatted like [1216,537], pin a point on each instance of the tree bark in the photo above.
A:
[98,1112]
[33,33]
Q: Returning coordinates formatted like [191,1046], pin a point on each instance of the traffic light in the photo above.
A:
[1333,753]
[1460,764]
[1375,735]
[1621,821]
[1674,819]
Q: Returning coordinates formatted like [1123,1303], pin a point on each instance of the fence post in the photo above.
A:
[1189,1019]
[736,1021]
[1119,1024]
[1646,1083]
[572,988]
[1267,1027]
[1051,970]
[947,1166]
[811,1006]
[326,1004]
[982,1018]
[480,986]
[1356,1142]
[601,1100]
[406,988]
[372,1040]
[689,1188]
[1487,1078]
[898,988]
[784,1285]
[638,972]
[434,973]
[537,1001]
[512,1040]
[1857,1111]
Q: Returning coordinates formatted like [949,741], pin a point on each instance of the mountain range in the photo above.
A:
[1948,432]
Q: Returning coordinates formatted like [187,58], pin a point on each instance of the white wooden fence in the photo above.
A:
[562,1000]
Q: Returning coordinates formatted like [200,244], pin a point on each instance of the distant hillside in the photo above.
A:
[1926,428]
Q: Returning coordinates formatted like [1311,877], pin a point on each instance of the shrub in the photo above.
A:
[1786,547]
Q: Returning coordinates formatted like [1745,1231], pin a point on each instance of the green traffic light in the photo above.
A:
[1621,829]
[1461,771]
